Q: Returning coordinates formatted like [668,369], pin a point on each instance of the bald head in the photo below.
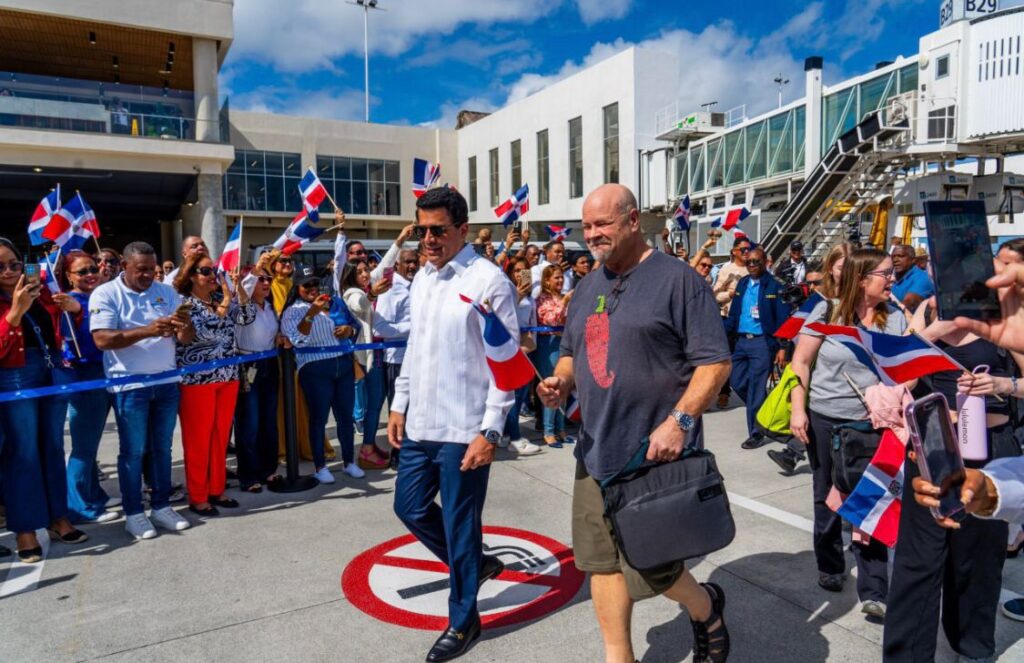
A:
[193,245]
[611,196]
[611,227]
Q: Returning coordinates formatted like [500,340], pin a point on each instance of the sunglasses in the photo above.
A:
[86,270]
[754,263]
[744,249]
[284,261]
[705,265]
[814,282]
[205,271]
[110,261]
[436,231]
[14,266]
[264,279]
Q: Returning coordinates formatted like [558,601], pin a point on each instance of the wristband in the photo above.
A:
[1013,385]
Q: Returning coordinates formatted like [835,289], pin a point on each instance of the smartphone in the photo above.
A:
[389,274]
[525,278]
[960,251]
[184,308]
[938,454]
[31,272]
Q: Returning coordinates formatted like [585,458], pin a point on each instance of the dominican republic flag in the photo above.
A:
[734,216]
[45,210]
[508,363]
[298,232]
[515,207]
[572,408]
[424,176]
[894,359]
[682,215]
[312,190]
[46,273]
[72,225]
[791,327]
[874,505]
[232,254]
[557,233]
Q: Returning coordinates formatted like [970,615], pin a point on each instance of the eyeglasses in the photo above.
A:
[436,231]
[620,287]
[205,271]
[14,266]
[87,270]
[884,273]
[754,263]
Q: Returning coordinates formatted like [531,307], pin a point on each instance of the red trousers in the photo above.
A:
[206,412]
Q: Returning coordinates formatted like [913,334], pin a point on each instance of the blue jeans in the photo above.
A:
[145,423]
[87,415]
[375,390]
[512,428]
[751,364]
[453,534]
[547,358]
[329,385]
[256,424]
[359,401]
[35,482]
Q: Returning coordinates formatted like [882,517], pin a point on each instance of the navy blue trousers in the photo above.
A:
[751,364]
[453,533]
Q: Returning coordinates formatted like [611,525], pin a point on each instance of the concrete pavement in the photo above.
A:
[262,582]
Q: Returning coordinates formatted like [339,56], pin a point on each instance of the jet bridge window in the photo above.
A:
[942,67]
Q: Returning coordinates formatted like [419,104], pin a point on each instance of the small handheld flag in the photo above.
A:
[875,503]
[300,231]
[791,327]
[682,215]
[424,176]
[734,216]
[894,359]
[515,207]
[572,408]
[312,190]
[557,233]
[232,254]
[47,277]
[508,363]
[47,207]
[72,225]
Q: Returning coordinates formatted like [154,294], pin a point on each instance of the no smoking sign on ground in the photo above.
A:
[401,582]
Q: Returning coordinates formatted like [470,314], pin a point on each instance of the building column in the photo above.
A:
[204,76]
[170,240]
[812,104]
[205,217]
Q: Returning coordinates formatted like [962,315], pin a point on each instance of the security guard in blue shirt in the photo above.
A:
[756,313]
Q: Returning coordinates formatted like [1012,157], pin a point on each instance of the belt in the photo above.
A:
[749,336]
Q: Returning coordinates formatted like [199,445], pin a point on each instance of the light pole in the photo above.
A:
[780,81]
[367,5]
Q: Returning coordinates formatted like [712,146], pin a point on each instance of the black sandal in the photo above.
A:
[72,537]
[208,511]
[711,637]
[254,488]
[31,555]
[225,502]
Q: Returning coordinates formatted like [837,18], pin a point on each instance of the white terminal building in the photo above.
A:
[120,100]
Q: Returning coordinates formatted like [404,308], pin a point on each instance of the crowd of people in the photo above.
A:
[707,330]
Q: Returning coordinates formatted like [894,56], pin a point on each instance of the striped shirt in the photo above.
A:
[446,389]
[321,333]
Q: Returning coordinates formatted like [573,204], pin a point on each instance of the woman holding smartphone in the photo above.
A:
[863,292]
[316,320]
[32,466]
[957,570]
[552,306]
[208,397]
[79,275]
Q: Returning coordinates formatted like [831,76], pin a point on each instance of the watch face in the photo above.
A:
[492,436]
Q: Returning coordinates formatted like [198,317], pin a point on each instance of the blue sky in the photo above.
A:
[430,59]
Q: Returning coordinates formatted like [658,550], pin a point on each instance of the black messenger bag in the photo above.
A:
[669,512]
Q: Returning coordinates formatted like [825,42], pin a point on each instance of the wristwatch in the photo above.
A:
[685,421]
[491,436]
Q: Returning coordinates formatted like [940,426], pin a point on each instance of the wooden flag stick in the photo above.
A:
[67,316]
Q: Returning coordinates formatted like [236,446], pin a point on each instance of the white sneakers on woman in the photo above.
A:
[323,475]
[138,525]
[169,519]
[354,471]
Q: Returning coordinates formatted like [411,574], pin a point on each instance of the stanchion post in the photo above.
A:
[292,483]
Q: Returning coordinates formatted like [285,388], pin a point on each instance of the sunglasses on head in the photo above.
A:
[86,270]
[436,231]
[205,271]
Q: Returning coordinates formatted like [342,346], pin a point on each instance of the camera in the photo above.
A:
[793,293]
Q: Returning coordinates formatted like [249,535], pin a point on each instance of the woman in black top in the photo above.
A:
[963,567]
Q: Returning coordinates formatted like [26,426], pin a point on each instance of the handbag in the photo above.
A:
[853,446]
[774,414]
[666,513]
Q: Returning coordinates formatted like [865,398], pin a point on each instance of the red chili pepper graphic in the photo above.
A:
[597,333]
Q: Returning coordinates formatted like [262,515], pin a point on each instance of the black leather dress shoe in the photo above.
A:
[453,644]
[491,567]
[754,442]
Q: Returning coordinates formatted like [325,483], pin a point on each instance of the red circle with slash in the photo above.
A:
[401,582]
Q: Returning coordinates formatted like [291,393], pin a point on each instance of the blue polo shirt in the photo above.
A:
[750,318]
[915,280]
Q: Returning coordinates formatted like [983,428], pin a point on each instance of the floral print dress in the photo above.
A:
[215,339]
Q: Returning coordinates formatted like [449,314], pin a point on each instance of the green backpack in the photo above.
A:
[777,408]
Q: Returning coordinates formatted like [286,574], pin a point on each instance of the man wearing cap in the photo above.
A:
[793,268]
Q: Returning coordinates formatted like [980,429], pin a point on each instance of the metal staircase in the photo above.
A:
[857,171]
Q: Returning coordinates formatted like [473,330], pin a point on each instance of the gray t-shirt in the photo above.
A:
[636,340]
[831,394]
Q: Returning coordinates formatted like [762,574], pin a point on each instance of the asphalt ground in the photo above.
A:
[263,582]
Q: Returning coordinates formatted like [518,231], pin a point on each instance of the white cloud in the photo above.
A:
[594,11]
[344,105]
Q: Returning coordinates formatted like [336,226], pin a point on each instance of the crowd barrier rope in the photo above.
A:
[343,348]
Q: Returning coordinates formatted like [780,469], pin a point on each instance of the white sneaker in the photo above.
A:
[353,470]
[503,442]
[523,447]
[323,475]
[104,517]
[139,526]
[169,519]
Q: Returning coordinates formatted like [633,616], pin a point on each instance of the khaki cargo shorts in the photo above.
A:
[594,544]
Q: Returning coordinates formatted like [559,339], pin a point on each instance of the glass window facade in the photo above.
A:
[611,143]
[361,186]
[576,157]
[517,164]
[261,181]
[493,156]
[543,169]
[472,184]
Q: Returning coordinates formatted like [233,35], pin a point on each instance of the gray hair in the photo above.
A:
[137,249]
